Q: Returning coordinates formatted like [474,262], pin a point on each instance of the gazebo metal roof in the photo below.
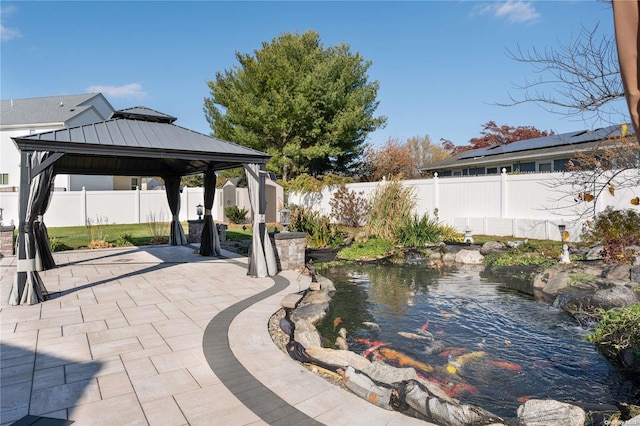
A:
[128,146]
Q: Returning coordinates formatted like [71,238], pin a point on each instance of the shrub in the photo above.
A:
[615,229]
[618,330]
[158,226]
[450,234]
[418,231]
[320,232]
[348,207]
[391,204]
[124,240]
[524,255]
[57,245]
[236,215]
[372,249]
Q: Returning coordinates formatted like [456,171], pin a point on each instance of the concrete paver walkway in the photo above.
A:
[121,343]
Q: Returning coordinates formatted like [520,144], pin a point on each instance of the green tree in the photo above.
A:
[308,106]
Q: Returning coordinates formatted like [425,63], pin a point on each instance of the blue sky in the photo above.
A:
[441,65]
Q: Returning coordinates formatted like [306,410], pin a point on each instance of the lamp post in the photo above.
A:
[285,215]
[199,211]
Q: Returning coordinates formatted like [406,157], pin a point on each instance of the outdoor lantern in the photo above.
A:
[284,218]
[467,235]
[561,228]
[199,211]
[1,210]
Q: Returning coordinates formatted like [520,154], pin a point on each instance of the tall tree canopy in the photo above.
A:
[493,134]
[396,158]
[308,106]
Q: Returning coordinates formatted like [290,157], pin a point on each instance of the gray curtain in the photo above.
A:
[28,287]
[209,241]
[44,182]
[172,186]
[262,259]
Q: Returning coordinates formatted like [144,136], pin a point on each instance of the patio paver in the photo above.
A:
[121,342]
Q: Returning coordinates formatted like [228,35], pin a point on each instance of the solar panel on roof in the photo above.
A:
[545,142]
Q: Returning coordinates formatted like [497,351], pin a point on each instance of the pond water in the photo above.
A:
[491,346]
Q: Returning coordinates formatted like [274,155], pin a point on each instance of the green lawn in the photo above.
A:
[75,237]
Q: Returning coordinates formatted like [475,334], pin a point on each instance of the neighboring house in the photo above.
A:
[538,155]
[20,117]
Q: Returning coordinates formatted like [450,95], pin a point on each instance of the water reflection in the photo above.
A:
[500,346]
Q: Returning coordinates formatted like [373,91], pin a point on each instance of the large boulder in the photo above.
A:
[469,257]
[617,272]
[389,374]
[312,313]
[634,274]
[316,297]
[338,357]
[595,253]
[538,412]
[491,247]
[614,297]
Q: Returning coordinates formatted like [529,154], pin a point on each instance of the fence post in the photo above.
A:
[83,206]
[503,193]
[436,192]
[136,204]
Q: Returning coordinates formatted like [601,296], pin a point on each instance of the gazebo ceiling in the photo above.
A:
[138,146]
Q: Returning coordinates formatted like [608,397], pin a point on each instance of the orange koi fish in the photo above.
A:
[404,360]
[336,322]
[372,349]
[523,399]
[369,342]
[462,387]
[506,365]
[452,352]
[425,326]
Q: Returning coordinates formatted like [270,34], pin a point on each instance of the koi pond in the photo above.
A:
[488,345]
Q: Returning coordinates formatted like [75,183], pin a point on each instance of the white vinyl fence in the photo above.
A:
[518,205]
[74,208]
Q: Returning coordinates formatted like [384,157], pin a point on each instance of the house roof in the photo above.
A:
[50,109]
[566,143]
[144,147]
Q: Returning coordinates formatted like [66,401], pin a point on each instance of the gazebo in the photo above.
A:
[137,141]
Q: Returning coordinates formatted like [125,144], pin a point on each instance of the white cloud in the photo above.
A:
[7,33]
[128,91]
[514,12]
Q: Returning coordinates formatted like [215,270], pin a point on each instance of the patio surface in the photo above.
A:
[159,335]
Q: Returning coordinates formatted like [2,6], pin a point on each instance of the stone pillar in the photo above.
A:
[6,241]
[195,230]
[290,250]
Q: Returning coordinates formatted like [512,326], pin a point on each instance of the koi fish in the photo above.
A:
[462,387]
[404,360]
[463,359]
[341,343]
[425,326]
[371,350]
[370,342]
[452,352]
[415,336]
[506,365]
[336,322]
[523,399]
[445,313]
[370,324]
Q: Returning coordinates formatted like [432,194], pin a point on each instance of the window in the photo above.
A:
[4,178]
[134,183]
[560,165]
[444,173]
[544,167]
[476,171]
[525,167]
[492,170]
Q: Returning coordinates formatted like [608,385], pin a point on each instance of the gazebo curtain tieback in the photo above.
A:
[26,265]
